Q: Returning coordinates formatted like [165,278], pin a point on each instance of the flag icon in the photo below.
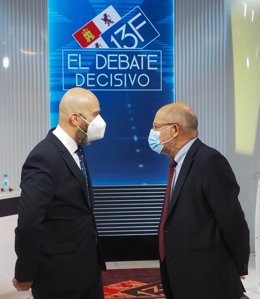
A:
[90,32]
[87,34]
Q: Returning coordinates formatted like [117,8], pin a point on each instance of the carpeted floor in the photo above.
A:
[133,283]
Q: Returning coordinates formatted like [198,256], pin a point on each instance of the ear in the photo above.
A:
[74,119]
[175,129]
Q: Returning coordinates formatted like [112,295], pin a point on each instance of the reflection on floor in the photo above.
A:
[7,292]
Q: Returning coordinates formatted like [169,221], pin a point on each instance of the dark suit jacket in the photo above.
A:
[56,240]
[206,235]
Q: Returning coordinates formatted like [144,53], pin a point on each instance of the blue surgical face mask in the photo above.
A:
[154,141]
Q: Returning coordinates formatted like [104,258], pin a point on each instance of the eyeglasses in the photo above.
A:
[158,126]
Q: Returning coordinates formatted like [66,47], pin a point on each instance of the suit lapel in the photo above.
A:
[183,174]
[70,162]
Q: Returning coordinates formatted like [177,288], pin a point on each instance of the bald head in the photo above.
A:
[181,114]
[76,100]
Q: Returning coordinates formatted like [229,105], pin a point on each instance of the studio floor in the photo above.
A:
[253,292]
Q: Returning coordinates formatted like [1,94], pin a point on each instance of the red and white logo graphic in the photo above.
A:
[89,34]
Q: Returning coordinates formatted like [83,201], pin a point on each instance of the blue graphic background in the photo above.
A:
[123,157]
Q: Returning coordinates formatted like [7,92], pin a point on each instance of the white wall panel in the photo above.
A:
[24,104]
[200,47]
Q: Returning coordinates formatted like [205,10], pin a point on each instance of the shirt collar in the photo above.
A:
[183,151]
[67,141]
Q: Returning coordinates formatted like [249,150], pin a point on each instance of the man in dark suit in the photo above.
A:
[58,251]
[203,235]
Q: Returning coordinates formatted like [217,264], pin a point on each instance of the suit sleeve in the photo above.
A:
[221,191]
[37,184]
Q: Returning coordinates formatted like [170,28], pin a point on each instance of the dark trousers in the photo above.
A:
[94,291]
[165,281]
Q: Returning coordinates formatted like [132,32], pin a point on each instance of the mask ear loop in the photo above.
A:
[83,118]
[80,127]
[170,138]
[82,131]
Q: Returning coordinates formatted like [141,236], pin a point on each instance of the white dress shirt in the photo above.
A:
[68,142]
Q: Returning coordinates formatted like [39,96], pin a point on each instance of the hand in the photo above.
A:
[22,286]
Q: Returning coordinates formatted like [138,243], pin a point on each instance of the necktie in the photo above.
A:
[165,210]
[80,153]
